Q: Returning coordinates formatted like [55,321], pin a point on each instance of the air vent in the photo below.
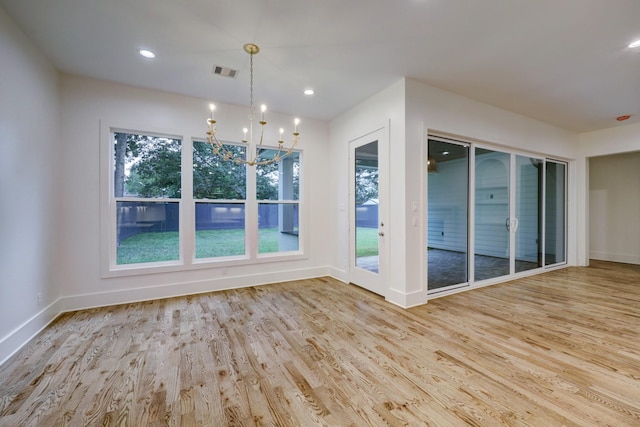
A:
[224,71]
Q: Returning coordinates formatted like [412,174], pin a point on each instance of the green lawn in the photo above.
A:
[148,247]
[366,241]
[164,246]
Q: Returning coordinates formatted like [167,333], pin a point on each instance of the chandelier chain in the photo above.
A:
[251,87]
[251,157]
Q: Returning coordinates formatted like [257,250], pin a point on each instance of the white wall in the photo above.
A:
[615,140]
[614,204]
[448,206]
[29,128]
[434,110]
[612,188]
[412,109]
[384,110]
[90,108]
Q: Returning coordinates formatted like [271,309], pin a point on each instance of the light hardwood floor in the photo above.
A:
[561,348]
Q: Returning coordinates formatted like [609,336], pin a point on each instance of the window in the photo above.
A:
[173,204]
[277,192]
[219,191]
[147,193]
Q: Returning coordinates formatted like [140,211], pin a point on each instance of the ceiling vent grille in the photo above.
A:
[224,71]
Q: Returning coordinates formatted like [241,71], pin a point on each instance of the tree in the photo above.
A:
[366,184]
[267,182]
[147,166]
[215,178]
[120,154]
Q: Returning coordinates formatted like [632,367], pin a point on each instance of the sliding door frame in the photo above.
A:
[512,194]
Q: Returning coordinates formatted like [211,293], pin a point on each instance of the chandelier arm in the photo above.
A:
[251,150]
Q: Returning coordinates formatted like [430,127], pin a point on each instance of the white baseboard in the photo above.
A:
[338,274]
[614,257]
[125,296]
[24,333]
[406,300]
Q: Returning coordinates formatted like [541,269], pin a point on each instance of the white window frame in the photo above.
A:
[187,260]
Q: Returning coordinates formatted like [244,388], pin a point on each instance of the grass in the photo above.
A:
[230,242]
[164,246]
[149,247]
[366,241]
[218,243]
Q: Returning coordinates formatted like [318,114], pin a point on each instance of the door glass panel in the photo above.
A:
[492,221]
[555,213]
[366,207]
[527,224]
[447,231]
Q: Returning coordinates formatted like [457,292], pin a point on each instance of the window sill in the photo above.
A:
[199,264]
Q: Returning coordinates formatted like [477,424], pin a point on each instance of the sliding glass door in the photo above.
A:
[448,213]
[517,219]
[528,216]
[555,230]
[492,214]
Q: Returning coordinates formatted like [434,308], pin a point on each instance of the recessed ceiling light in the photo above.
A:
[445,153]
[146,53]
[635,44]
[309,92]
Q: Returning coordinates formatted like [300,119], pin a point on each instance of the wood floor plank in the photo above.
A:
[557,349]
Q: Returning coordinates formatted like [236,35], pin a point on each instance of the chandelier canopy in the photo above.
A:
[251,157]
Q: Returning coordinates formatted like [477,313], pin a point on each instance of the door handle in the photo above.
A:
[511,223]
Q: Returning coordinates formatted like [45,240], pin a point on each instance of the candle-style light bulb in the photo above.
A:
[212,107]
[263,108]
[281,132]
[245,130]
[296,122]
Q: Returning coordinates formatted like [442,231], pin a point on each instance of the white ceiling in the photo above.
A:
[565,62]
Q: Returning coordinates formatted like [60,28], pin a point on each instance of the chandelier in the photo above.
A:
[251,158]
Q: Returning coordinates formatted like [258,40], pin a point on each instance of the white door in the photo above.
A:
[368,178]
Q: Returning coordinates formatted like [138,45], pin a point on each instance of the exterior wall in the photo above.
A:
[29,128]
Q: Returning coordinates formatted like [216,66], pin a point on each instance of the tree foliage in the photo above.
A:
[366,184]
[150,167]
[214,178]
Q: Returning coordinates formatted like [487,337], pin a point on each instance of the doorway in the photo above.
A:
[368,207]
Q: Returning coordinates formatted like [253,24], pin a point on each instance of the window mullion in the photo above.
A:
[251,219]
[187,206]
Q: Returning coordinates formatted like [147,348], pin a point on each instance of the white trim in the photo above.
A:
[376,282]
[615,257]
[513,153]
[27,331]
[186,223]
[23,334]
[407,300]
